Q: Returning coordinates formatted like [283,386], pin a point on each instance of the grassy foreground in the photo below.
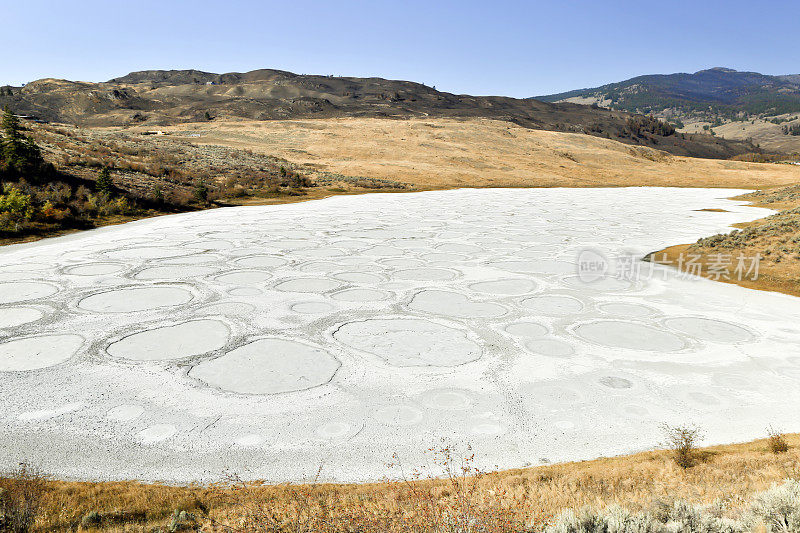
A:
[462,500]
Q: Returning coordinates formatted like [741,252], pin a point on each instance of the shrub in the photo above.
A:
[682,517]
[15,208]
[201,191]
[776,509]
[776,441]
[682,441]
[21,495]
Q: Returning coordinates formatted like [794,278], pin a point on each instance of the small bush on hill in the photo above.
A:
[776,441]
[682,441]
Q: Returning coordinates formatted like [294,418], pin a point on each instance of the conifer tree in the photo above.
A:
[104,182]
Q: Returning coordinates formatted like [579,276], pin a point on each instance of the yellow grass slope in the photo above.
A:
[447,153]
[513,500]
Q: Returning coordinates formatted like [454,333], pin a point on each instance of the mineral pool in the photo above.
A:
[279,341]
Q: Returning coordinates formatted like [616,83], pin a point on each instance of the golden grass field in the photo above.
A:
[449,153]
[513,500]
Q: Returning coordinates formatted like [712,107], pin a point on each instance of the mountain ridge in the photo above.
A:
[168,97]
[719,90]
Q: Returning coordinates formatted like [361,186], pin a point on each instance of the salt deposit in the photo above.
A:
[280,340]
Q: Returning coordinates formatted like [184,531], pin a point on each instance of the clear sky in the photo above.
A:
[513,48]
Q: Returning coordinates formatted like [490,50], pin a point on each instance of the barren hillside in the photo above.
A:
[446,153]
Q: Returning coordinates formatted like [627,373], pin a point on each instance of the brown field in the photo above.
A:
[448,153]
[514,500]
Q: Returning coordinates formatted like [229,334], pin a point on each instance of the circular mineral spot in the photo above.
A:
[19,276]
[402,263]
[552,305]
[615,382]
[11,317]
[383,251]
[135,299]
[312,308]
[321,266]
[227,308]
[359,295]
[308,285]
[125,413]
[210,245]
[454,304]
[291,244]
[250,440]
[22,291]
[33,353]
[702,399]
[627,310]
[194,259]
[175,272]
[260,261]
[629,335]
[486,427]
[550,347]
[424,274]
[444,257]
[156,433]
[510,287]
[268,366]
[447,399]
[399,415]
[172,342]
[320,252]
[454,247]
[244,277]
[46,414]
[336,430]
[707,329]
[607,284]
[358,277]
[95,269]
[526,329]
[245,291]
[409,342]
[144,253]
[539,266]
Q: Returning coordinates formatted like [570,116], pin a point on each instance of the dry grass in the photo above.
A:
[448,153]
[514,500]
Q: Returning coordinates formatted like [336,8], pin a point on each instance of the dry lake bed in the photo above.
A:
[274,341]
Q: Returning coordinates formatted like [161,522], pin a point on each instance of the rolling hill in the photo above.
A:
[161,98]
[717,92]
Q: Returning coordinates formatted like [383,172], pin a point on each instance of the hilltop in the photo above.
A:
[719,91]
[157,98]
[723,101]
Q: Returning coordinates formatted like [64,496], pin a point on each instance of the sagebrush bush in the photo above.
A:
[776,509]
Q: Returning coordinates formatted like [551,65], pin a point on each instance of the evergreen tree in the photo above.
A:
[19,155]
[104,182]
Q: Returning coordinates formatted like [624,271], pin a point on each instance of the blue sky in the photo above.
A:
[511,48]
